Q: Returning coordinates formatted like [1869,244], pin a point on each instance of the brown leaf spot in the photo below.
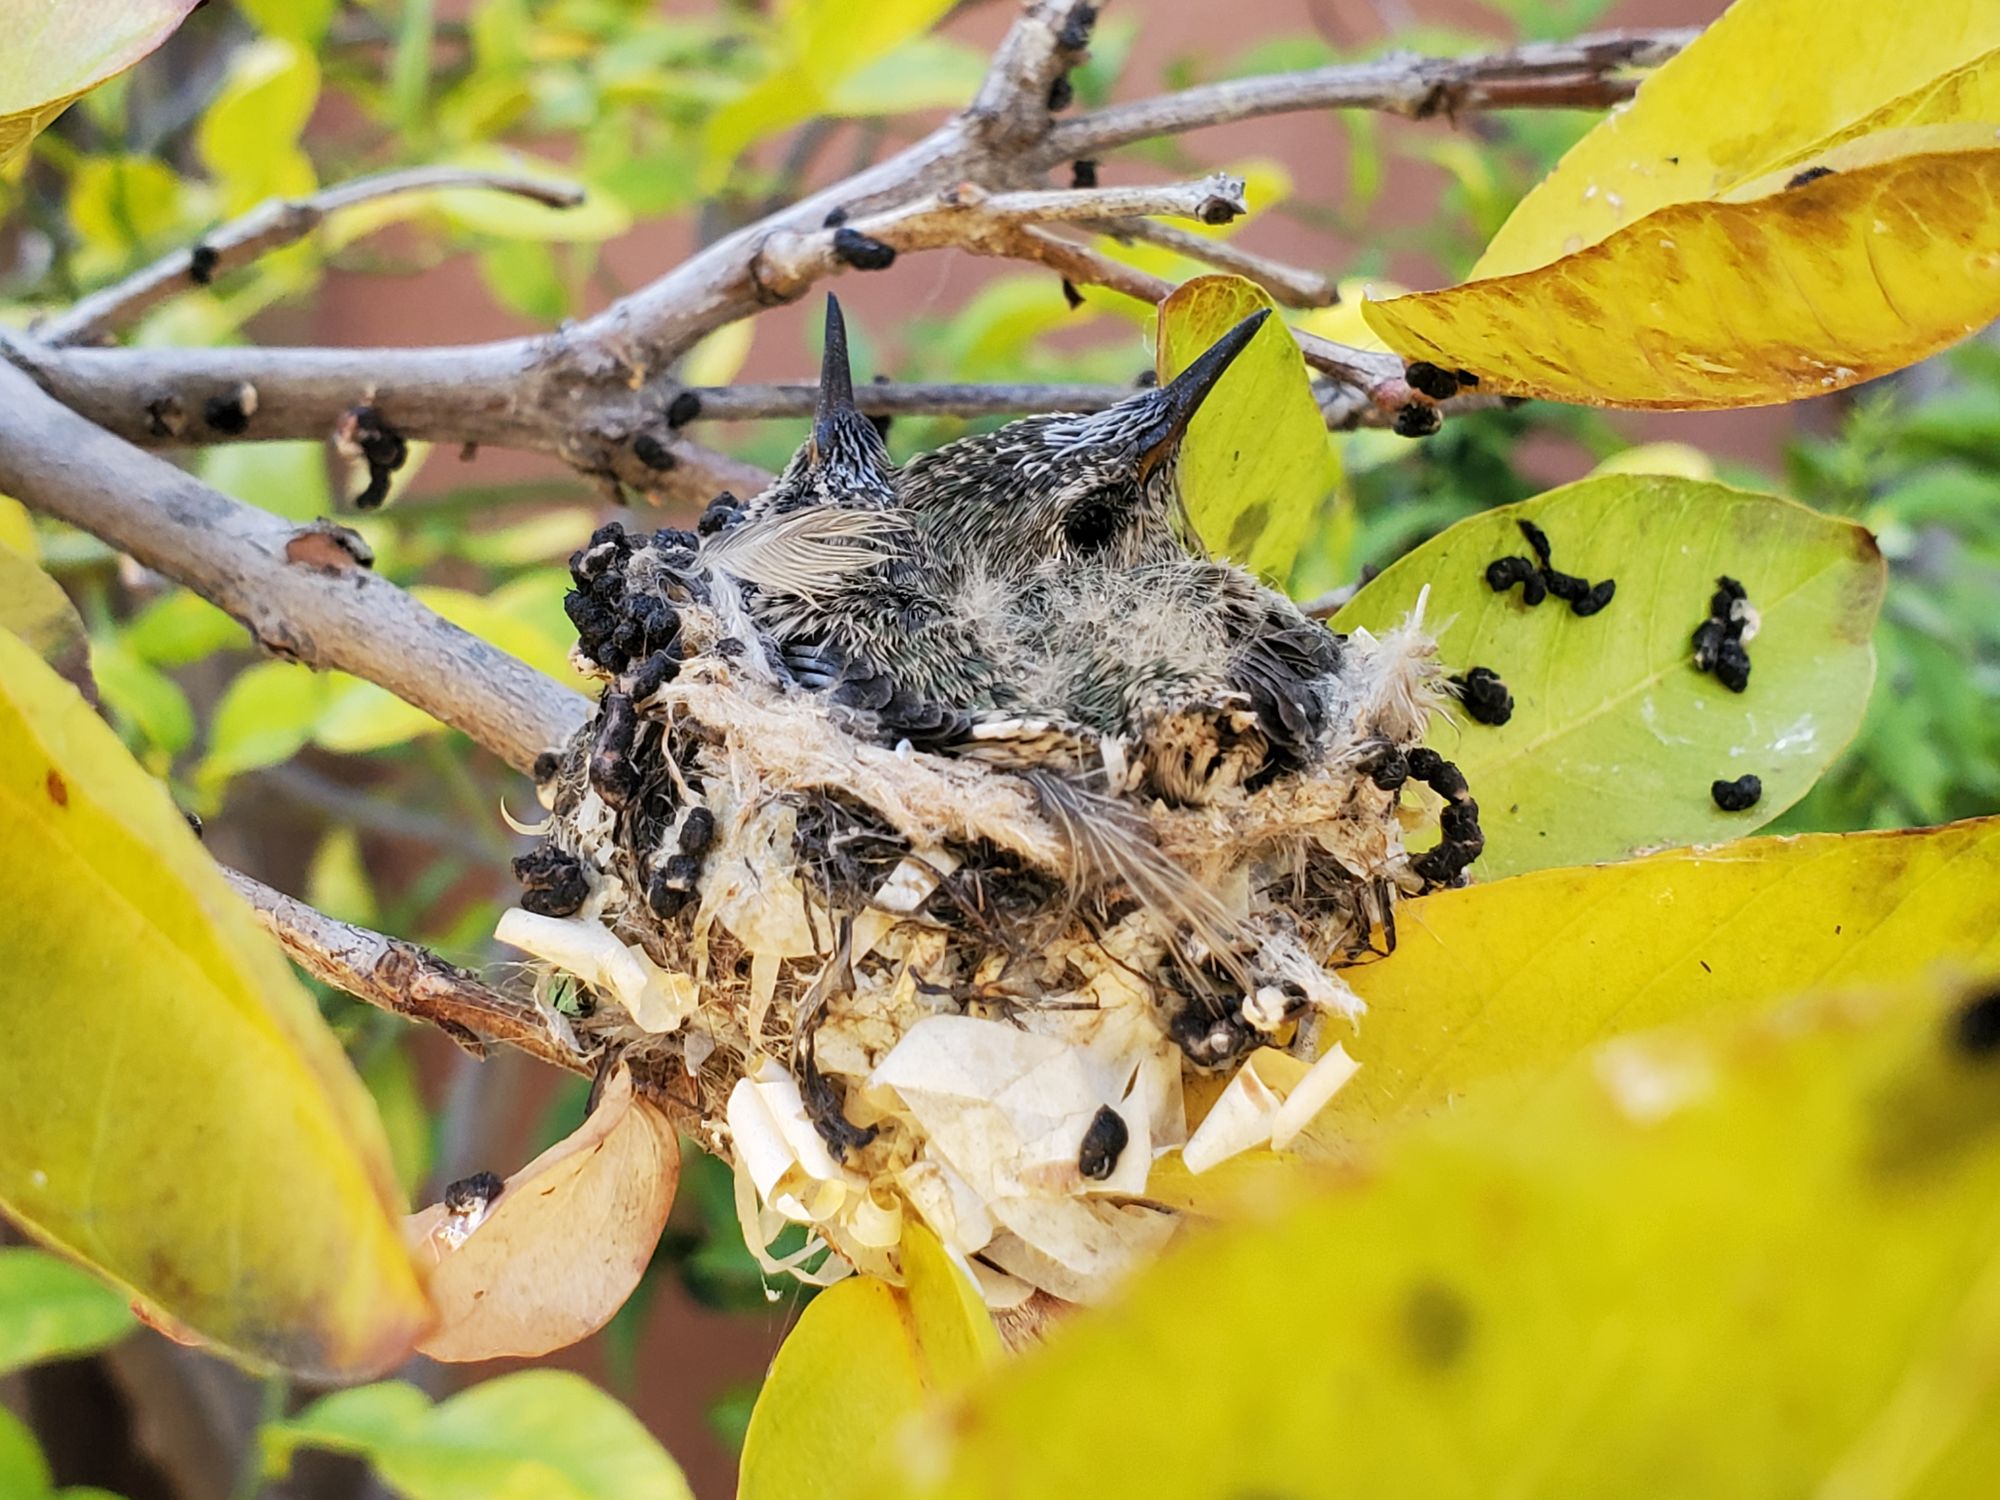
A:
[1437,1322]
[58,789]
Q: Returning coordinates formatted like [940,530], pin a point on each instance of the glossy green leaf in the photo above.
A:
[173,1112]
[1257,461]
[50,1309]
[145,703]
[1615,738]
[58,49]
[1745,1260]
[34,607]
[1493,986]
[863,1357]
[536,1435]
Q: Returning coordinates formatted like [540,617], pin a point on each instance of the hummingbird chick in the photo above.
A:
[1102,487]
[1196,675]
[891,637]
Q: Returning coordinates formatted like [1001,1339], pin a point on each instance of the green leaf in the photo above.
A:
[523,278]
[34,607]
[536,1435]
[287,479]
[301,21]
[122,203]
[173,1112]
[249,137]
[1615,738]
[58,49]
[1489,989]
[1750,1259]
[147,705]
[182,627]
[819,45]
[265,717]
[863,1356]
[926,72]
[1257,461]
[24,1473]
[49,1309]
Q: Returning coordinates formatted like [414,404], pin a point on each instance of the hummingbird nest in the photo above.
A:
[951,962]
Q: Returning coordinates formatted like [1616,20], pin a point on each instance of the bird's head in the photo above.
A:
[844,462]
[1103,487]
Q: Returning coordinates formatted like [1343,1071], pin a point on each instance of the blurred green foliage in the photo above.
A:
[708,120]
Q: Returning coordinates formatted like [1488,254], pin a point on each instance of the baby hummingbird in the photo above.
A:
[1050,489]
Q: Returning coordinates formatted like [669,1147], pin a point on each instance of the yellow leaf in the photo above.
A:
[172,1109]
[1680,460]
[1257,460]
[58,49]
[17,528]
[818,44]
[1726,110]
[249,137]
[554,1255]
[1490,987]
[1749,1259]
[718,359]
[1709,305]
[864,1357]
[1615,739]
[34,607]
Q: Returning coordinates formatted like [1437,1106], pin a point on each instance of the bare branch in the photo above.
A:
[1011,109]
[1582,73]
[305,594]
[409,980]
[267,227]
[1287,284]
[516,394]
[967,217]
[891,398]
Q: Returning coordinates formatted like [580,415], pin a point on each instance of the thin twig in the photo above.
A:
[305,593]
[409,980]
[1584,73]
[893,398]
[405,979]
[967,217]
[1289,285]
[267,227]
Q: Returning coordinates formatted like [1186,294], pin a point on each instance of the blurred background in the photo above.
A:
[677,119]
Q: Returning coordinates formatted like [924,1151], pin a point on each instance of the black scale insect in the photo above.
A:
[364,433]
[1739,795]
[1103,1143]
[1485,696]
[1718,640]
[472,1194]
[1540,577]
[1463,840]
[553,883]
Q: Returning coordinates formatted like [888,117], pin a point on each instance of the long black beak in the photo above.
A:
[1180,398]
[836,381]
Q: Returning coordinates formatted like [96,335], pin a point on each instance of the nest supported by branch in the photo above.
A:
[894,988]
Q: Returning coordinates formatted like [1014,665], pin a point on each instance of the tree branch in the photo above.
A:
[595,395]
[1287,284]
[408,980]
[267,227]
[737,403]
[967,217]
[305,593]
[1583,73]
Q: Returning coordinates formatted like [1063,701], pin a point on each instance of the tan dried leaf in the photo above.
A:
[559,1249]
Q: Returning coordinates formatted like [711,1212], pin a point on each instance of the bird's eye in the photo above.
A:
[1090,526]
